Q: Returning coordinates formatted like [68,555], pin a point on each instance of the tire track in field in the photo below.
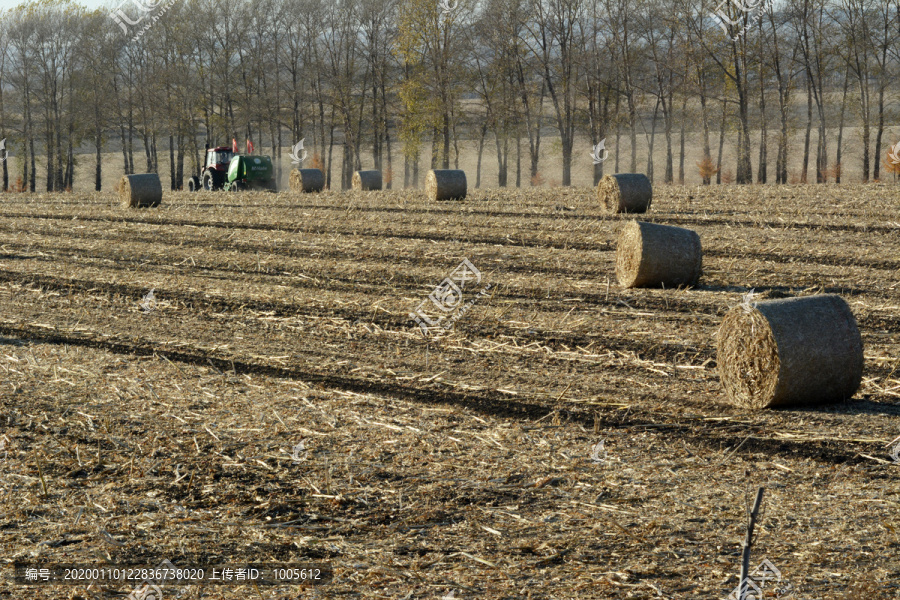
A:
[656,350]
[707,221]
[681,220]
[352,232]
[465,208]
[387,257]
[679,307]
[798,259]
[336,254]
[715,435]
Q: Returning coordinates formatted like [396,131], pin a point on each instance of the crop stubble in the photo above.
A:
[459,462]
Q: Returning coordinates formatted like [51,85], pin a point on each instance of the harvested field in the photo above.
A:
[457,465]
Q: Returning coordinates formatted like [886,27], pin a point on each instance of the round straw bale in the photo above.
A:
[445,184]
[307,180]
[367,180]
[798,351]
[649,255]
[139,191]
[625,192]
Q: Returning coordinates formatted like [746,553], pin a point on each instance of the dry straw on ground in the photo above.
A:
[427,459]
[367,180]
[445,184]
[307,180]
[139,191]
[650,255]
[625,193]
[799,351]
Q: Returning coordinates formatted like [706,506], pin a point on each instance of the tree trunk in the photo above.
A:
[632,122]
[761,172]
[445,134]
[681,141]
[33,182]
[330,151]
[48,142]
[721,142]
[707,152]
[618,130]
[502,154]
[805,170]
[667,124]
[518,159]
[879,134]
[172,162]
[480,153]
[387,139]
[840,141]
[652,142]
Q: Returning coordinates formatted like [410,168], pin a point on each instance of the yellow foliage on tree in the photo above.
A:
[426,45]
[707,169]
[420,114]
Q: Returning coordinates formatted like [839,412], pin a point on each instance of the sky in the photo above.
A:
[91,4]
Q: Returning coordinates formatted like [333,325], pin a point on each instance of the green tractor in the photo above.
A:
[225,170]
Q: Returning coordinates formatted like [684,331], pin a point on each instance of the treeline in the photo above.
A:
[371,75]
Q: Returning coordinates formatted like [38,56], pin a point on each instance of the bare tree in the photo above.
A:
[557,38]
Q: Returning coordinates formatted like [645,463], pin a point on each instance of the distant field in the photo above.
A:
[458,465]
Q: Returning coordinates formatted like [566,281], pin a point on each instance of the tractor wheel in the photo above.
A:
[238,186]
[193,184]
[209,183]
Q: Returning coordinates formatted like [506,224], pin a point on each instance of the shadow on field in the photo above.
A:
[714,435]
[854,407]
[775,292]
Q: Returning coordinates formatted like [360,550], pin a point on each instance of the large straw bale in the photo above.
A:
[625,193]
[650,255]
[139,191]
[307,180]
[367,180]
[445,184]
[799,351]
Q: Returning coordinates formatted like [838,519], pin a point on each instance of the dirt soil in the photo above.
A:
[274,402]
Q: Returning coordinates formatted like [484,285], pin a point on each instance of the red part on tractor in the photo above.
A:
[214,171]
